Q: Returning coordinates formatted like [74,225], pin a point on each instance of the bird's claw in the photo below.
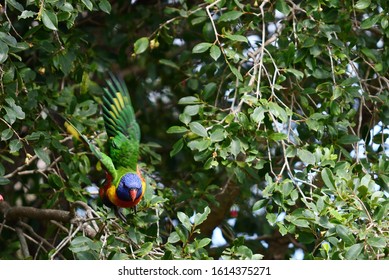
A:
[119,213]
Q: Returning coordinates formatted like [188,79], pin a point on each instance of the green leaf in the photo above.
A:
[324,222]
[15,145]
[328,178]
[271,218]
[8,39]
[50,20]
[381,211]
[27,14]
[3,52]
[177,147]
[16,5]
[88,4]
[237,38]
[278,136]
[177,129]
[215,52]
[119,256]
[321,73]
[346,234]
[198,129]
[218,135]
[308,42]
[55,180]
[384,22]
[6,134]
[105,6]
[173,238]
[349,81]
[201,47]
[211,163]
[235,147]
[377,242]
[201,217]
[362,4]
[4,181]
[203,242]
[66,7]
[297,73]
[64,61]
[306,156]
[141,45]
[348,139]
[370,22]
[182,233]
[199,145]
[188,100]
[43,155]
[169,63]
[184,219]
[282,7]
[258,115]
[192,110]
[354,251]
[19,114]
[10,116]
[185,118]
[80,244]
[209,90]
[236,72]
[198,20]
[300,223]
[260,204]
[144,249]
[320,204]
[278,111]
[336,93]
[231,15]
[370,54]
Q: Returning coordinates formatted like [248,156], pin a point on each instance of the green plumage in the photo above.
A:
[118,113]
[121,126]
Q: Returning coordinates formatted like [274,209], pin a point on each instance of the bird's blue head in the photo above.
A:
[130,187]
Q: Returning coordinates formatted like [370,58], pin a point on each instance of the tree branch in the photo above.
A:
[225,198]
[23,243]
[17,212]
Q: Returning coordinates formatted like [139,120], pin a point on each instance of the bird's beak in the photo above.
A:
[133,194]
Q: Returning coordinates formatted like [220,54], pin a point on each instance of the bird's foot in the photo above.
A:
[119,213]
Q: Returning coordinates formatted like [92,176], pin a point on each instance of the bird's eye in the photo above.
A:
[114,145]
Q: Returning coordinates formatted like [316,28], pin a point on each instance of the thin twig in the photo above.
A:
[23,243]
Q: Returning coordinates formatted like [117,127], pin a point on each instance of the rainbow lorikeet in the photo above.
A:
[124,186]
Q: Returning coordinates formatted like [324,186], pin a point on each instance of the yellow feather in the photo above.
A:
[114,112]
[116,101]
[71,130]
[120,98]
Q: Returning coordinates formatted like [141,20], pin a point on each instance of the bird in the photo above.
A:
[124,185]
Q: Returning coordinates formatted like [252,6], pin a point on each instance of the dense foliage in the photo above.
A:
[276,112]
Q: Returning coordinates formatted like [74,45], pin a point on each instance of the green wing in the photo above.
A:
[121,126]
[118,112]
[71,129]
[103,158]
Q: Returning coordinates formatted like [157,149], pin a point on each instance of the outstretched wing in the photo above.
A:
[102,157]
[70,128]
[118,112]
